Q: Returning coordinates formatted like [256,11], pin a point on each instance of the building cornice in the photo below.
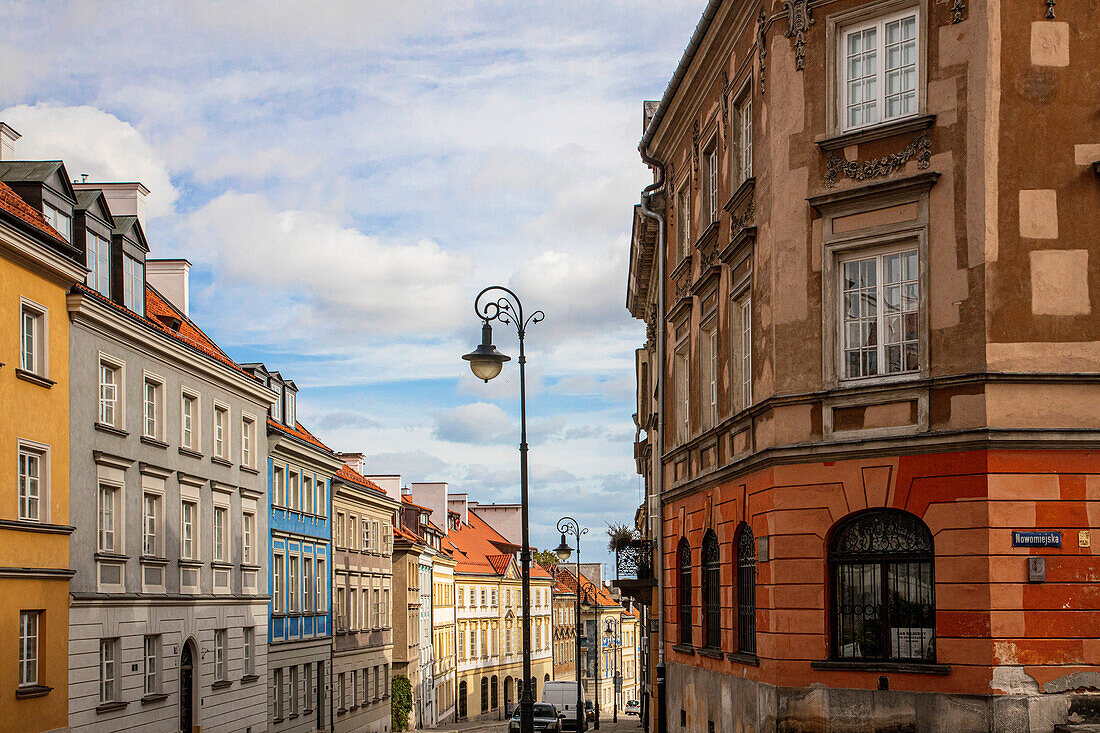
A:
[294,448]
[38,256]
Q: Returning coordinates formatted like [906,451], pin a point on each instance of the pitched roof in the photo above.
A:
[349,474]
[158,307]
[406,500]
[298,431]
[567,583]
[11,203]
[500,563]
[478,549]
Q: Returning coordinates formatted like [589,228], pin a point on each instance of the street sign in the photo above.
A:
[1049,538]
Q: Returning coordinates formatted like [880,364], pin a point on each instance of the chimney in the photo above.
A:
[434,496]
[355,460]
[169,277]
[124,199]
[8,136]
[390,483]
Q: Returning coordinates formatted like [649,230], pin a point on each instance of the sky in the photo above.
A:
[345,177]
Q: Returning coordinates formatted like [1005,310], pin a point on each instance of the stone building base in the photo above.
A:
[698,697]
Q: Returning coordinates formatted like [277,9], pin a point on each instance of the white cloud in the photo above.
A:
[477,422]
[95,142]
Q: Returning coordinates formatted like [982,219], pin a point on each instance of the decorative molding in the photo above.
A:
[800,18]
[695,149]
[920,148]
[651,330]
[762,45]
[725,98]
[744,219]
[957,10]
[1050,9]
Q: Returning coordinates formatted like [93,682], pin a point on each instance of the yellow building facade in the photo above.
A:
[37,269]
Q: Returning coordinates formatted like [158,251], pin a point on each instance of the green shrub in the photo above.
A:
[401,702]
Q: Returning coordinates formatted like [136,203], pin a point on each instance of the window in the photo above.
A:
[294,690]
[712,605]
[32,476]
[353,608]
[355,688]
[368,543]
[249,650]
[353,531]
[308,674]
[59,220]
[133,284]
[322,586]
[879,70]
[221,436]
[684,557]
[110,384]
[280,581]
[219,654]
[742,149]
[683,224]
[322,505]
[28,648]
[248,440]
[277,407]
[880,567]
[339,529]
[387,538]
[108,653]
[681,406]
[294,499]
[280,701]
[108,513]
[293,589]
[99,264]
[307,582]
[291,416]
[278,486]
[150,525]
[188,510]
[746,591]
[189,407]
[308,494]
[708,339]
[880,306]
[710,184]
[153,408]
[33,339]
[152,664]
[221,528]
[248,538]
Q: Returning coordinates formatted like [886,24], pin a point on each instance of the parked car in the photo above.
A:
[563,696]
[633,707]
[547,718]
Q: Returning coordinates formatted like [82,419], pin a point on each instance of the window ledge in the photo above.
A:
[278,719]
[155,442]
[877,132]
[225,564]
[292,716]
[712,653]
[34,378]
[249,678]
[743,658]
[221,684]
[184,451]
[153,560]
[739,196]
[684,264]
[183,563]
[683,649]
[249,469]
[341,711]
[111,557]
[221,461]
[26,691]
[105,428]
[157,697]
[110,707]
[881,666]
[29,525]
[249,566]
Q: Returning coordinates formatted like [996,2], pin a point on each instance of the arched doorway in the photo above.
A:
[494,689]
[187,687]
[508,698]
[462,699]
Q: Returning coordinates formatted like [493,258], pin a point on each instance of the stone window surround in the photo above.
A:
[119,366]
[41,317]
[835,25]
[738,99]
[159,432]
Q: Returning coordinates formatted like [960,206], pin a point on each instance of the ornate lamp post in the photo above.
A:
[568,525]
[486,363]
[611,632]
[591,595]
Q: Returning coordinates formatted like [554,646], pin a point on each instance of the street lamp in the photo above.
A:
[614,669]
[571,526]
[486,363]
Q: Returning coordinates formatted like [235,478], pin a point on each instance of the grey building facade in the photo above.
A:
[168,622]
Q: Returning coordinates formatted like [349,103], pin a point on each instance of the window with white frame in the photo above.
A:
[353,532]
[294,690]
[150,525]
[99,264]
[322,500]
[221,431]
[367,543]
[248,441]
[879,70]
[322,586]
[133,284]
[308,494]
[880,304]
[33,481]
[683,220]
[278,575]
[189,426]
[742,148]
[248,650]
[28,648]
[708,341]
[293,589]
[375,536]
[710,183]
[308,675]
[153,407]
[279,694]
[353,606]
[108,673]
[291,414]
[278,486]
[387,538]
[109,539]
[682,405]
[33,339]
[248,538]
[220,643]
[386,608]
[294,498]
[221,531]
[307,583]
[741,330]
[341,622]
[110,393]
[188,516]
[59,220]
[152,664]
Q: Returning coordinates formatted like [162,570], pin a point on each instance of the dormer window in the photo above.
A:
[277,408]
[291,417]
[99,264]
[60,221]
[133,283]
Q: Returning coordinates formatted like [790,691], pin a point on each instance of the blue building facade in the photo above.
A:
[299,479]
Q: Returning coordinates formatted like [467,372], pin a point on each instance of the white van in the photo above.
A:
[563,696]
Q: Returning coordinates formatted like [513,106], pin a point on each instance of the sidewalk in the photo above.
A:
[626,724]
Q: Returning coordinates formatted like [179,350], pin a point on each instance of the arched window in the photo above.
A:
[484,694]
[684,558]
[883,593]
[496,695]
[462,699]
[746,590]
[712,604]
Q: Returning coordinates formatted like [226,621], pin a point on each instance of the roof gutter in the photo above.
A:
[678,76]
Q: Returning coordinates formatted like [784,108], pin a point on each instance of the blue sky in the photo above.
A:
[345,177]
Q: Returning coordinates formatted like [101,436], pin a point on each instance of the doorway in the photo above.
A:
[187,677]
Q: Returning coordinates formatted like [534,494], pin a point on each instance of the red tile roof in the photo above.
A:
[20,209]
[478,546]
[566,582]
[156,307]
[349,474]
[405,498]
[298,431]
[500,563]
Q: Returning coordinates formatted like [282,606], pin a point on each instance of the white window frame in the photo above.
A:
[710,180]
[111,490]
[55,217]
[248,440]
[278,485]
[743,144]
[309,498]
[745,337]
[708,340]
[291,408]
[294,490]
[151,656]
[133,284]
[294,589]
[278,576]
[25,451]
[108,670]
[117,402]
[34,331]
[222,442]
[221,642]
[279,693]
[195,441]
[294,690]
[308,590]
[99,254]
[863,21]
[220,532]
[683,220]
[157,383]
[189,529]
[248,650]
[29,647]
[152,542]
[682,393]
[322,587]
[248,538]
